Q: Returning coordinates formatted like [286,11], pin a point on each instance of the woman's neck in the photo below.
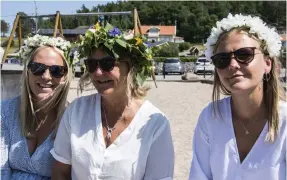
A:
[250,105]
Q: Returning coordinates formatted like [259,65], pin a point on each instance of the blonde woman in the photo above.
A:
[115,134]
[242,136]
[29,121]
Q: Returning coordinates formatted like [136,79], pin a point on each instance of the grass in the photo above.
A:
[13,48]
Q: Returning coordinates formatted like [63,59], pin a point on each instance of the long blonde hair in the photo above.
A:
[58,101]
[273,90]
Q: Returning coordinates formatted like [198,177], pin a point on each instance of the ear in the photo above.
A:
[268,64]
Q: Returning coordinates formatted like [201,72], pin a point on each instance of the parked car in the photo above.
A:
[203,65]
[13,61]
[173,65]
[157,69]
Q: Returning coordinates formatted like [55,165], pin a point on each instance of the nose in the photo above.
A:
[233,63]
[98,71]
[47,75]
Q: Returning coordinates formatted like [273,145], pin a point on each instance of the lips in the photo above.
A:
[104,81]
[45,86]
[234,76]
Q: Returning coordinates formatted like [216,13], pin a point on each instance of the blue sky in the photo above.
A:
[10,8]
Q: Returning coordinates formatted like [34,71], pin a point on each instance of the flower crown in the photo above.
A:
[38,40]
[256,26]
[117,43]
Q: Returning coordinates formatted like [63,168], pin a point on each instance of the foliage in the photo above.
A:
[27,25]
[5,43]
[183,59]
[194,19]
[184,46]
[168,51]
[119,44]
[4,27]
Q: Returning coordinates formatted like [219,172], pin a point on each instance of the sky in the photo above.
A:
[10,8]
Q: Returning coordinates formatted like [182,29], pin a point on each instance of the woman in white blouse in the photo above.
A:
[242,136]
[115,134]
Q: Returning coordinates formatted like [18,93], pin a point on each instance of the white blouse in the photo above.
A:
[215,153]
[143,151]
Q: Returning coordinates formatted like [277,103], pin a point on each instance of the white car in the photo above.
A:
[203,65]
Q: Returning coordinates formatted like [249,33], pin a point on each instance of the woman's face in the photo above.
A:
[109,82]
[43,85]
[239,77]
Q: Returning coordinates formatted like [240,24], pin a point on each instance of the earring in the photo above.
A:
[266,77]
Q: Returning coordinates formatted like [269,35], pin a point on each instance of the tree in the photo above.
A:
[4,27]
[27,24]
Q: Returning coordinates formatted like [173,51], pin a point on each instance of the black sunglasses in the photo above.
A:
[243,55]
[38,69]
[106,64]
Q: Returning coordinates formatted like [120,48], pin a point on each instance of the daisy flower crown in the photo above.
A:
[269,37]
[31,43]
[118,43]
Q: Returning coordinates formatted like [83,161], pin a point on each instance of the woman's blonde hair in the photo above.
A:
[28,120]
[133,89]
[273,90]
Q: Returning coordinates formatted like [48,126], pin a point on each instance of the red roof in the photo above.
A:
[283,36]
[163,30]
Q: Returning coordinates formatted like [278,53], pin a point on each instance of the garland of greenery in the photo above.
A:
[118,43]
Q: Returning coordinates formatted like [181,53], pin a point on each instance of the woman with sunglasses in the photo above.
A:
[115,134]
[29,121]
[242,136]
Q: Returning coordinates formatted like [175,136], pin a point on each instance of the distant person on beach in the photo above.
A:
[114,134]
[30,120]
[242,136]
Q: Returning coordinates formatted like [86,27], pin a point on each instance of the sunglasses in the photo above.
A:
[243,55]
[38,69]
[106,64]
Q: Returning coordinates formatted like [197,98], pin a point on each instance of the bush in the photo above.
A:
[184,46]
[5,43]
[167,51]
[183,59]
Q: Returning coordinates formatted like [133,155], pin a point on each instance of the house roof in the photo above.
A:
[163,30]
[283,36]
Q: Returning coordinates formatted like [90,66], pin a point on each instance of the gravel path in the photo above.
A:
[182,103]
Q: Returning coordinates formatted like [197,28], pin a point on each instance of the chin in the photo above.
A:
[106,92]
[43,96]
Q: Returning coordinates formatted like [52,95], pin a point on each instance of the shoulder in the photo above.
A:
[283,111]
[153,118]
[8,108]
[214,115]
[81,103]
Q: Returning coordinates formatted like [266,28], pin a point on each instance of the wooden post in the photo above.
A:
[136,28]
[10,38]
[56,23]
[19,33]
[61,27]
[139,25]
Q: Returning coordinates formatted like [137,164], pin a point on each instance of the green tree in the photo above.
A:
[4,27]
[27,25]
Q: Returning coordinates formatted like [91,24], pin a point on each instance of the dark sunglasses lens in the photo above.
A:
[107,64]
[221,60]
[244,55]
[91,65]
[58,71]
[37,68]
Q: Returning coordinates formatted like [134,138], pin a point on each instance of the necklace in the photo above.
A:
[109,129]
[245,128]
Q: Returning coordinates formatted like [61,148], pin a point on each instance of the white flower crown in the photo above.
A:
[256,26]
[36,41]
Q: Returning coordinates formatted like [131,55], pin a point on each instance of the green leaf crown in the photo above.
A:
[117,44]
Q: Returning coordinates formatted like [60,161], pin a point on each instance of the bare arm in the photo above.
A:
[61,171]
